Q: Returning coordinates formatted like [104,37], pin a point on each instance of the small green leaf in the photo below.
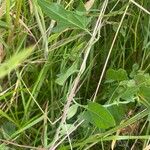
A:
[63,77]
[65,17]
[99,116]
[72,111]
[116,75]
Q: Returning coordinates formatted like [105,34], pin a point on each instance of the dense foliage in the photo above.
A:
[74,74]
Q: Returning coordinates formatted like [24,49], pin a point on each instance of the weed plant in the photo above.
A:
[74,74]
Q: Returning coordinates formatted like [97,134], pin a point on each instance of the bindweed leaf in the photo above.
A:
[99,116]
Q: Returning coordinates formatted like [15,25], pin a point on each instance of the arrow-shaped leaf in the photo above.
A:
[62,16]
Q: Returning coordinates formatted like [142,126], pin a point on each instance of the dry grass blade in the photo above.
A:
[81,52]
[31,6]
[89,4]
[82,69]
[142,8]
[21,146]
[2,53]
[2,8]
[147,147]
[109,53]
[69,132]
[25,27]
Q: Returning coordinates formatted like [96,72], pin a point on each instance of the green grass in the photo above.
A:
[55,60]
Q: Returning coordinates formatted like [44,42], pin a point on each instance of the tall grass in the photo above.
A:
[48,72]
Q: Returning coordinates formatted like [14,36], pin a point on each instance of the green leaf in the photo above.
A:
[116,75]
[5,115]
[145,92]
[99,116]
[60,28]
[28,125]
[129,94]
[65,17]
[53,37]
[81,8]
[129,91]
[63,77]
[8,129]
[118,112]
[142,79]
[3,24]
[13,62]
[122,29]
[72,111]
[134,71]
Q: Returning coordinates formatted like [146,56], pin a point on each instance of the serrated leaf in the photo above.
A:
[99,116]
[72,111]
[116,75]
[65,17]
[63,77]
